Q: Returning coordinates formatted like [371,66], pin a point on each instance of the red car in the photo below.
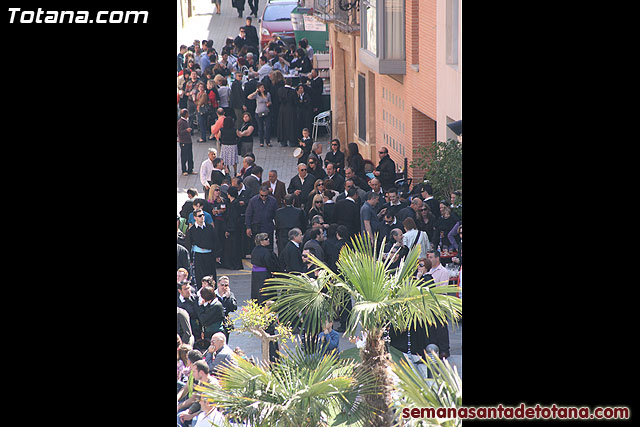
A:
[276,21]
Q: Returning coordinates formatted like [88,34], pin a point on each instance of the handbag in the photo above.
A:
[417,238]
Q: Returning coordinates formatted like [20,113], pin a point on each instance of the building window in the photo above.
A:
[452,32]
[382,36]
[394,29]
[362,108]
[370,25]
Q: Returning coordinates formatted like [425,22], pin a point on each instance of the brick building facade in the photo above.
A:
[400,95]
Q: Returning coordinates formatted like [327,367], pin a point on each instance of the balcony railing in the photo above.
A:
[342,13]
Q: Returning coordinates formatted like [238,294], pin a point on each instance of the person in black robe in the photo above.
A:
[415,339]
[277,83]
[239,6]
[287,115]
[304,112]
[265,262]
[205,247]
[183,257]
[234,232]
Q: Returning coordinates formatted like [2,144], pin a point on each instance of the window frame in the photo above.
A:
[379,62]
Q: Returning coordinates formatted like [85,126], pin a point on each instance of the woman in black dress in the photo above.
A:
[265,262]
[355,160]
[426,222]
[335,156]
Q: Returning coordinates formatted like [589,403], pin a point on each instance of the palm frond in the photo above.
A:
[299,389]
[443,390]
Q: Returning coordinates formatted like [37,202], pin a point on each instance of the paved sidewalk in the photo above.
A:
[205,25]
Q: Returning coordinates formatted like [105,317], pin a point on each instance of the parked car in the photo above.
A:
[276,22]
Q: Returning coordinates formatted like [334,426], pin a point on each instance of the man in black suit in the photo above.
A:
[252,182]
[332,245]
[205,246]
[291,256]
[376,187]
[329,206]
[412,211]
[335,177]
[288,218]
[427,197]
[386,169]
[236,99]
[301,185]
[217,174]
[348,212]
[394,204]
[361,183]
[348,184]
[188,301]
[251,34]
[248,163]
[249,87]
[317,86]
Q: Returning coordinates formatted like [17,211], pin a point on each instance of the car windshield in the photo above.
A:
[278,12]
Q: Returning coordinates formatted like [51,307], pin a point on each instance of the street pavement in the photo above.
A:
[205,25]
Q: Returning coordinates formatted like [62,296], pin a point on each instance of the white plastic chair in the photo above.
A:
[321,120]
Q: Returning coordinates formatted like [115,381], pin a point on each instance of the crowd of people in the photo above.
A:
[242,92]
[242,212]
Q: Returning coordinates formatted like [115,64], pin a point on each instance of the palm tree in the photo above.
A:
[382,298]
[443,391]
[300,389]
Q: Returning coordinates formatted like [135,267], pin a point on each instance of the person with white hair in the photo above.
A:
[206,168]
[219,353]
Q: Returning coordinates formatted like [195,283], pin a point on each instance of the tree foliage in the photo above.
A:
[442,162]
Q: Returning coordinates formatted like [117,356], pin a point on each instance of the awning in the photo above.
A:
[456,127]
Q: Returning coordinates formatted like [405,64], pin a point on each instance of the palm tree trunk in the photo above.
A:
[375,359]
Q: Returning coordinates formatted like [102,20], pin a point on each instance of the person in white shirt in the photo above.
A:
[206,168]
[265,68]
[438,272]
[210,416]
[413,236]
[439,332]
